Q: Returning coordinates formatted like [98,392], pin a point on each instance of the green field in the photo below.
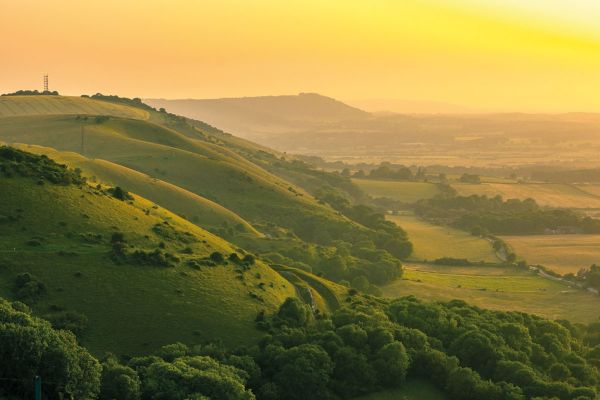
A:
[406,192]
[545,194]
[431,242]
[497,288]
[561,253]
[412,389]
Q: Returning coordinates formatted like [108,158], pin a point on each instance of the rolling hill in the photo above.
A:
[138,274]
[206,169]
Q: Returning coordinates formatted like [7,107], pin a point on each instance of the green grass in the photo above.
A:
[546,194]
[431,242]
[561,253]
[412,389]
[11,106]
[406,192]
[197,209]
[499,288]
[131,309]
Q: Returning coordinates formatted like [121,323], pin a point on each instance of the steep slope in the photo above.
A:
[138,273]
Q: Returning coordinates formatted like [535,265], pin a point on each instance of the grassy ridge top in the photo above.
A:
[12,106]
[62,235]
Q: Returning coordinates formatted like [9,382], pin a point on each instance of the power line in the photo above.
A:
[45,83]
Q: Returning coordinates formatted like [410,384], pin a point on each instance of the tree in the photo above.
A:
[197,377]
[29,347]
[293,312]
[391,364]
[119,381]
[303,373]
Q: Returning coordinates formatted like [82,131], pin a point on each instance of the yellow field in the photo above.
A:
[432,241]
[14,106]
[546,194]
[561,253]
[406,192]
[497,288]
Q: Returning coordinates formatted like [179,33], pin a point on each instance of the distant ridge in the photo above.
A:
[247,115]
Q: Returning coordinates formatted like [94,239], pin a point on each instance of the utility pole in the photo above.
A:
[45,83]
[38,387]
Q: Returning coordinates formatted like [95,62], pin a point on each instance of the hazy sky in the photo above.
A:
[490,54]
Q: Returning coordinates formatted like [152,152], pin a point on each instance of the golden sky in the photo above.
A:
[487,54]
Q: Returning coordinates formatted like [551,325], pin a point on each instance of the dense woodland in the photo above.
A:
[363,347]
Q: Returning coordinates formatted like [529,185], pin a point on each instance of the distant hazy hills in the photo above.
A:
[253,116]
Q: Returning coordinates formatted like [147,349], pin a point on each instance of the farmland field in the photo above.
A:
[545,194]
[561,253]
[497,288]
[15,106]
[406,192]
[432,241]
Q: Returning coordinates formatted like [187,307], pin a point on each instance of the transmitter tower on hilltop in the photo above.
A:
[45,83]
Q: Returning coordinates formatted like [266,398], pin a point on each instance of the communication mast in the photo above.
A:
[45,83]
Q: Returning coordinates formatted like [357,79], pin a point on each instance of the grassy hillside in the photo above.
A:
[11,106]
[137,299]
[498,288]
[236,175]
[197,209]
[431,242]
[406,192]
[561,253]
[206,169]
[545,194]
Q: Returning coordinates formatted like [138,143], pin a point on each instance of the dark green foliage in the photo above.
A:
[470,178]
[452,261]
[391,364]
[119,381]
[28,288]
[29,347]
[15,162]
[217,257]
[293,313]
[190,374]
[511,217]
[388,171]
[68,320]
[31,93]
[119,193]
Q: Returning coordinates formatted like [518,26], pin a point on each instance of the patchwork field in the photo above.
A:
[412,389]
[561,253]
[497,288]
[406,192]
[432,241]
[546,194]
